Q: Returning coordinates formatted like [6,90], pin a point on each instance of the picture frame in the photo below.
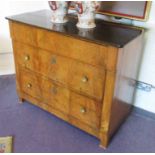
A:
[130,11]
[125,9]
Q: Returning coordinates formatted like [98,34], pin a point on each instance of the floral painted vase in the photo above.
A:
[59,11]
[86,13]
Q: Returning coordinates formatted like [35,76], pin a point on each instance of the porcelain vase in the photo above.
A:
[59,11]
[86,13]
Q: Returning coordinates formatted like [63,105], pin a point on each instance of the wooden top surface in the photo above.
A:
[105,33]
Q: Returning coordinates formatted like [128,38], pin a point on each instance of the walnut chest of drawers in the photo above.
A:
[86,78]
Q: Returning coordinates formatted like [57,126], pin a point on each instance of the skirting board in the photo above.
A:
[143,113]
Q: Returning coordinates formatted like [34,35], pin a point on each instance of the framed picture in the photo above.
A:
[6,144]
[137,10]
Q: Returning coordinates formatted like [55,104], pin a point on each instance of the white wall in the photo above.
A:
[5,43]
[144,100]
[10,8]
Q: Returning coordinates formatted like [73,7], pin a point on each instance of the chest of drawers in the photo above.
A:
[87,81]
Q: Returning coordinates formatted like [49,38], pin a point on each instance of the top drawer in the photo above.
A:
[23,33]
[83,51]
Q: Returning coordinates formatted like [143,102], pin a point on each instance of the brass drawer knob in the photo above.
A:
[84,79]
[29,85]
[26,58]
[83,110]
[53,60]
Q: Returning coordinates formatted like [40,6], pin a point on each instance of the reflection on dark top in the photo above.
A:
[105,33]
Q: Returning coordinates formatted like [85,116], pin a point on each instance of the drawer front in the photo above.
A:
[87,79]
[84,51]
[30,84]
[85,110]
[82,111]
[82,77]
[53,66]
[41,61]
[42,88]
[55,96]
[26,56]
[24,33]
[60,114]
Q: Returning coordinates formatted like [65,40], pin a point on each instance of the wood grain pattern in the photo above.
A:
[86,110]
[64,70]
[50,95]
[126,77]
[42,105]
[55,96]
[68,118]
[87,52]
[24,33]
[27,56]
[120,89]
[106,110]
[30,84]
[83,126]
[90,86]
[87,79]
[45,89]
[55,67]
[67,46]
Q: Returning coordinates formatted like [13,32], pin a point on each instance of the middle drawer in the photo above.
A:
[81,77]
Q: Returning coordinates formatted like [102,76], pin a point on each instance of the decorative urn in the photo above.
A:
[86,13]
[59,11]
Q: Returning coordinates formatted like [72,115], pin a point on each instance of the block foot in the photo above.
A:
[103,147]
[21,100]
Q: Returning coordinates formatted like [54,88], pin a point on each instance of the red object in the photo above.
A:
[2,151]
[79,8]
[53,5]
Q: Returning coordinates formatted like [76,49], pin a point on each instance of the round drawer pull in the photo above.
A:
[84,79]
[29,85]
[83,110]
[26,58]
[53,60]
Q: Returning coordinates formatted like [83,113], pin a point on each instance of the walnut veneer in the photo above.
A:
[89,84]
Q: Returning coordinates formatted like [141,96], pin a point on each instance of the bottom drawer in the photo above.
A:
[45,106]
[30,84]
[85,110]
[72,120]
[45,90]
[76,109]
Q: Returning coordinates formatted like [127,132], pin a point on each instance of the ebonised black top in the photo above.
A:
[116,35]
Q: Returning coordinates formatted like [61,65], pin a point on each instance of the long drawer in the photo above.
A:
[80,50]
[78,107]
[79,76]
